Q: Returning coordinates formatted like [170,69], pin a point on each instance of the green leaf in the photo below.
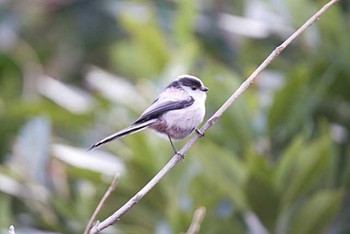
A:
[6,213]
[315,215]
[184,22]
[311,166]
[260,190]
[223,171]
[287,163]
[145,52]
[290,105]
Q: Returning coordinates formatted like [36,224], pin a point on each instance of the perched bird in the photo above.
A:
[176,112]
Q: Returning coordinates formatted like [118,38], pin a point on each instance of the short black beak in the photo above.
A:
[204,89]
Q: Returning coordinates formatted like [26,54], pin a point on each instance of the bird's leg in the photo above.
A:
[199,132]
[175,150]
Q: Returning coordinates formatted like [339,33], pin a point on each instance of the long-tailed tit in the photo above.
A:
[176,112]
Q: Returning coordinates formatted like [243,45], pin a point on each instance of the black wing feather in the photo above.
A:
[167,106]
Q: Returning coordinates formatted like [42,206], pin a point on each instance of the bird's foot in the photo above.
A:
[180,154]
[199,133]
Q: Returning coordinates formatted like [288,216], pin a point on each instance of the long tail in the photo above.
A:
[129,130]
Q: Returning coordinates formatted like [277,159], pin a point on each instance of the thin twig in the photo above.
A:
[176,158]
[110,189]
[196,221]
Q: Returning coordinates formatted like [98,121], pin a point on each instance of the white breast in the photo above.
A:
[180,123]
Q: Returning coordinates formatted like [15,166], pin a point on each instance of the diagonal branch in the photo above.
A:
[197,220]
[102,202]
[176,158]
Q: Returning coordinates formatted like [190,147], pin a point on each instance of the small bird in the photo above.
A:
[175,113]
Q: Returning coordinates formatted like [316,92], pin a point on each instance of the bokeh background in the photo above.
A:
[74,71]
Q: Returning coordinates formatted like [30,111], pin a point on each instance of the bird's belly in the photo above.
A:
[179,123]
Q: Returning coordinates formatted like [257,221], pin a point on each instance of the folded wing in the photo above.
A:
[160,107]
[148,117]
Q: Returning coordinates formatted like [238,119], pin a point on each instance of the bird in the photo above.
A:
[175,113]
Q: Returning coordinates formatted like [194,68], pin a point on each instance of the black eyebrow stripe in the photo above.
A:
[175,84]
[190,82]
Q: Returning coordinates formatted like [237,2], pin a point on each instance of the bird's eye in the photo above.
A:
[193,87]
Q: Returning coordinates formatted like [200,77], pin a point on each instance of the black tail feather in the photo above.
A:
[129,130]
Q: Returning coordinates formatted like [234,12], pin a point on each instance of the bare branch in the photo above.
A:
[176,158]
[116,215]
[110,189]
[196,221]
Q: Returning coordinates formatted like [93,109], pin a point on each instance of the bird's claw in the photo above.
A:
[199,133]
[180,154]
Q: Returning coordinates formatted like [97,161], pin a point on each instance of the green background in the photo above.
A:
[74,71]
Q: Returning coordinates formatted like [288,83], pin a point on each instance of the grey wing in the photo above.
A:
[159,108]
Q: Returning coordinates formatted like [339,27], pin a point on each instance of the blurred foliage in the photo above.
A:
[276,162]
